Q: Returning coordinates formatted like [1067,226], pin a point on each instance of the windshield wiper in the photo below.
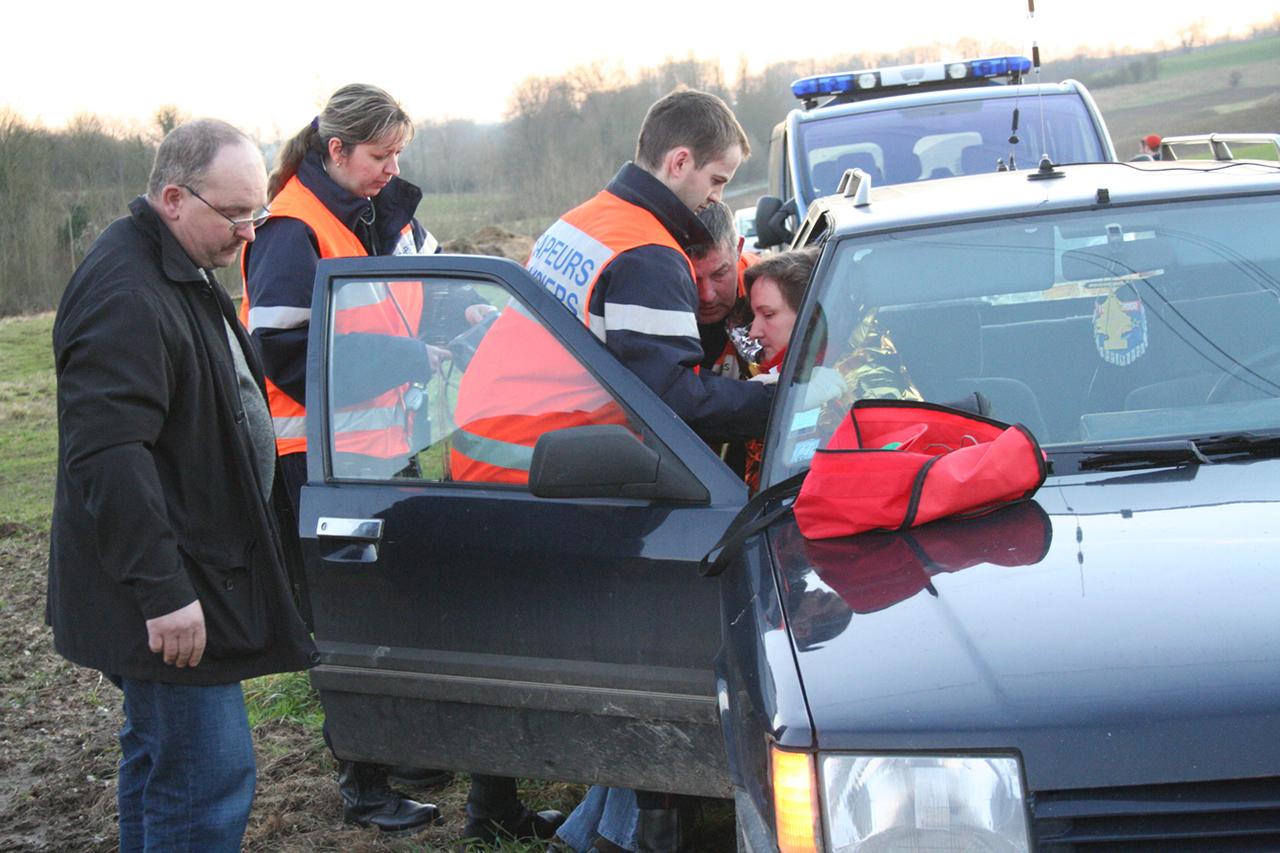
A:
[1257,444]
[1184,451]
[1141,454]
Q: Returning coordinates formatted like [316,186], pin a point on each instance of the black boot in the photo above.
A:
[367,800]
[418,777]
[527,824]
[494,812]
[658,830]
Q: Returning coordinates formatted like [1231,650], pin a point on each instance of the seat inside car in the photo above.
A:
[941,347]
[827,175]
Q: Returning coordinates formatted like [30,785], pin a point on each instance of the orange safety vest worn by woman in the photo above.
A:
[378,427]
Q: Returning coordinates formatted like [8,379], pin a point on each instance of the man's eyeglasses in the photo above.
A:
[256,220]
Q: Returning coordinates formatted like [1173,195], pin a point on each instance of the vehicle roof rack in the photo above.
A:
[1220,143]
[855,184]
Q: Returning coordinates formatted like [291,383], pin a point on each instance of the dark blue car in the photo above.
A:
[1096,668]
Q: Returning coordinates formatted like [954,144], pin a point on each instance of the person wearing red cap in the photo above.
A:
[1148,148]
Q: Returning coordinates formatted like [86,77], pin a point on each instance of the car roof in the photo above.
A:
[998,194]
[934,96]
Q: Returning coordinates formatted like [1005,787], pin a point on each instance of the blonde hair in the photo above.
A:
[355,114]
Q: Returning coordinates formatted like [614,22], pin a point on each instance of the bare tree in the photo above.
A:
[168,117]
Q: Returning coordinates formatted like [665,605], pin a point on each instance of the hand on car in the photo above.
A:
[178,635]
[765,378]
[477,313]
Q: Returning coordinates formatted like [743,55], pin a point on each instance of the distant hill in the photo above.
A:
[1223,87]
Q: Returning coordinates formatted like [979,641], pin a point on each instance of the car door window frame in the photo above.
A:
[661,429]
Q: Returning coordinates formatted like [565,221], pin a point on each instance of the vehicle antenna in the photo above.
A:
[1013,139]
[1035,63]
[1013,127]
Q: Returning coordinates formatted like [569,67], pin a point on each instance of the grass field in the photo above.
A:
[1220,57]
[28,432]
[450,216]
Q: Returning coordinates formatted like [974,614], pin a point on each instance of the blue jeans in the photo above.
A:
[186,767]
[607,812]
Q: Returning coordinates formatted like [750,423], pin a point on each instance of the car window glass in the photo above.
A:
[941,140]
[1124,324]
[448,380]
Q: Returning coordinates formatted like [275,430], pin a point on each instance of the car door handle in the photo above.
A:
[349,540]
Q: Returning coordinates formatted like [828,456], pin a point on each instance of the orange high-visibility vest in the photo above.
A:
[521,383]
[378,427]
[570,256]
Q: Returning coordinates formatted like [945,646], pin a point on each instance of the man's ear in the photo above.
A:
[172,198]
[679,162]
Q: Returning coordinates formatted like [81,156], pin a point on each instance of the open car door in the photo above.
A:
[501,555]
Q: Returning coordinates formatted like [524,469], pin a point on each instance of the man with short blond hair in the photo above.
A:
[620,262]
[167,569]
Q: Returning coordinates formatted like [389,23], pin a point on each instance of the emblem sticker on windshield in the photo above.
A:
[1119,329]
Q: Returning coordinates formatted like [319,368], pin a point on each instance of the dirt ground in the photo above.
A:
[492,240]
[1191,104]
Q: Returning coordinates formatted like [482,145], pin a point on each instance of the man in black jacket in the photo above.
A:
[167,570]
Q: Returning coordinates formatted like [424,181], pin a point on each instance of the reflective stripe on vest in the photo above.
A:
[491,451]
[379,426]
[570,256]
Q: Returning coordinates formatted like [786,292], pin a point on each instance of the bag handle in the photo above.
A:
[748,522]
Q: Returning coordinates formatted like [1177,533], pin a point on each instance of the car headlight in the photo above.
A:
[924,803]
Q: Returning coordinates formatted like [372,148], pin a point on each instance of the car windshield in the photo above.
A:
[896,146]
[1118,327]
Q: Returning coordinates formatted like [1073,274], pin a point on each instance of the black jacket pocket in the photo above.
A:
[231,596]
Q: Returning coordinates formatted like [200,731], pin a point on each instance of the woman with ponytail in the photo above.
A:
[336,191]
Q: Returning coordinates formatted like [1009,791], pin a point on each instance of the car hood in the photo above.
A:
[1118,629]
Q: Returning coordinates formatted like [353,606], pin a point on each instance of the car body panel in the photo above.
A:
[1144,630]
[525,623]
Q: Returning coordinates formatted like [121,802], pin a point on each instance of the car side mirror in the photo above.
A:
[607,461]
[771,221]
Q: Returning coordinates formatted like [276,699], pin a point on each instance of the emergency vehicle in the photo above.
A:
[911,123]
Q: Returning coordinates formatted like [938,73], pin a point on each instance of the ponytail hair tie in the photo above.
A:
[315,124]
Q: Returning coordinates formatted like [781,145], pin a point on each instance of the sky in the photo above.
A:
[269,66]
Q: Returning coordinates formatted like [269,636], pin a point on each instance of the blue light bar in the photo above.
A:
[822,84]
[1000,66]
[905,76]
